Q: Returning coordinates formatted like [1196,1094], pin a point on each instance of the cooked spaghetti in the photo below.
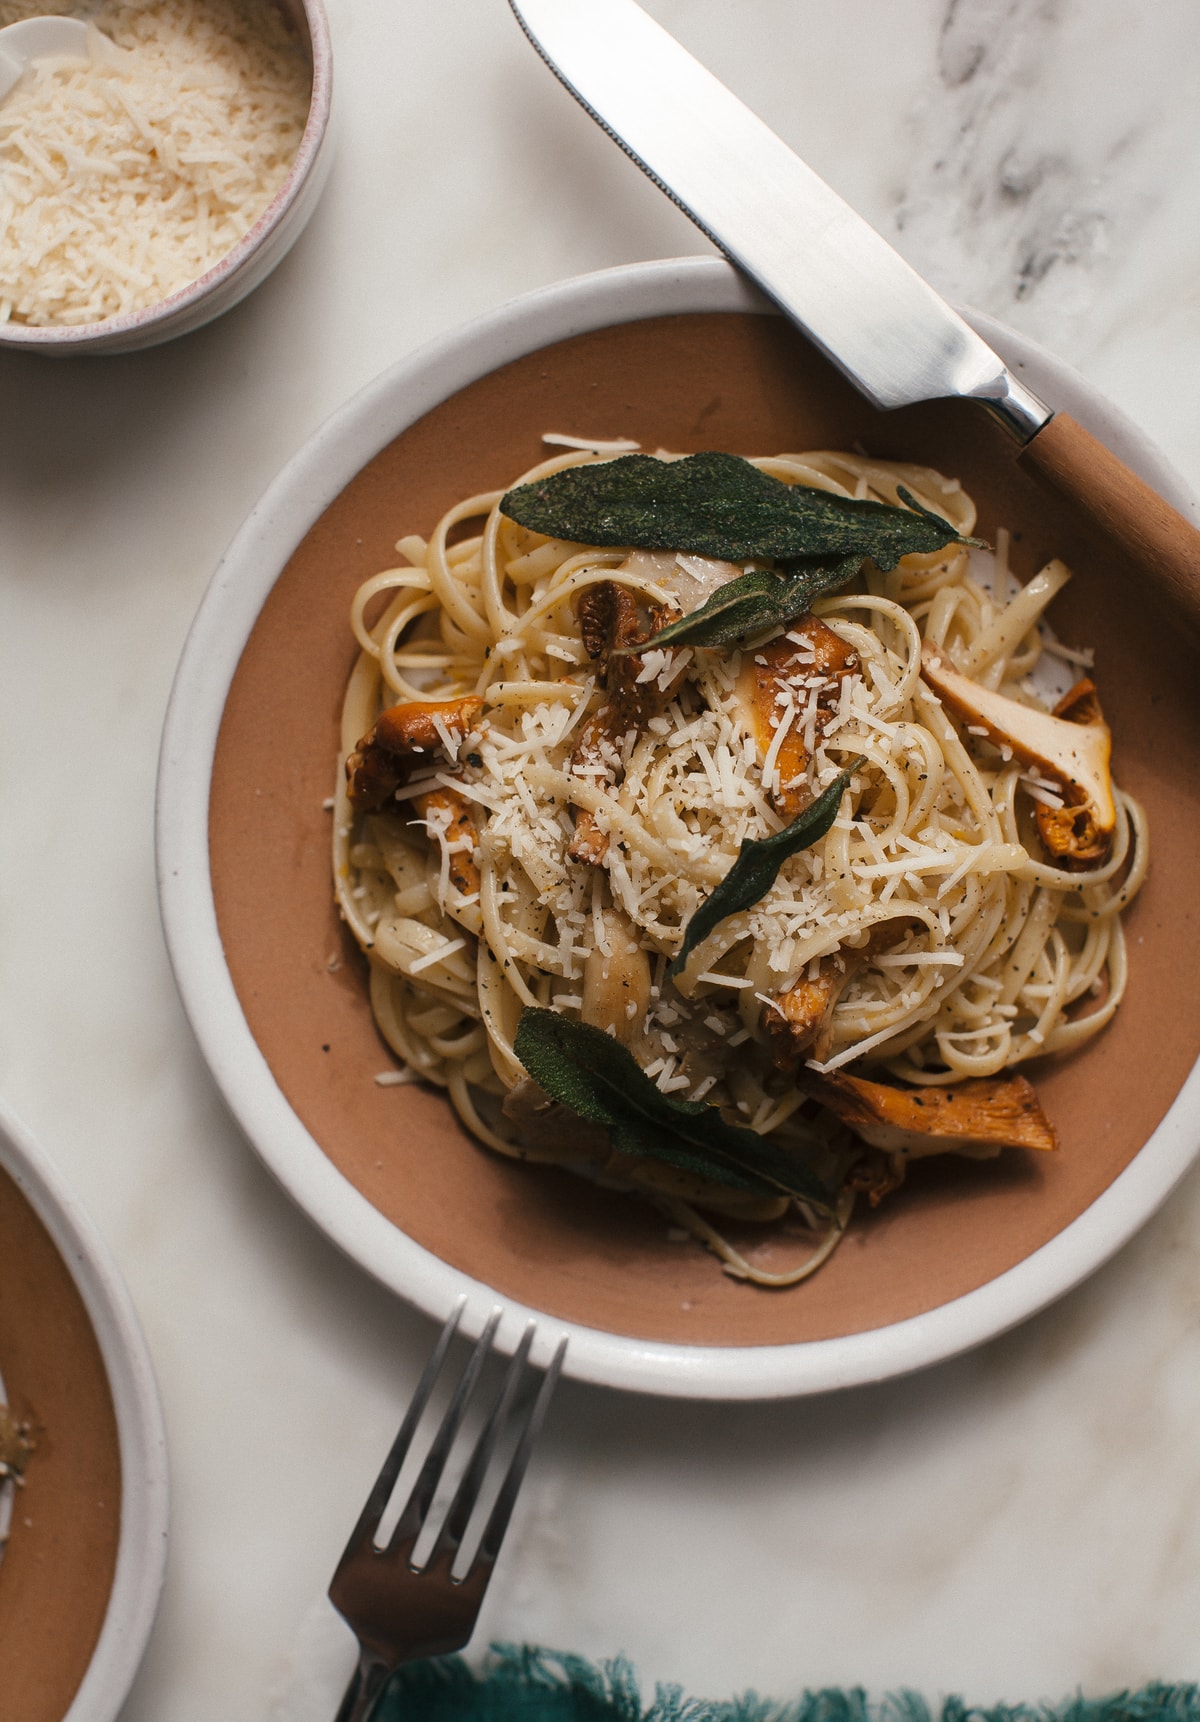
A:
[534,842]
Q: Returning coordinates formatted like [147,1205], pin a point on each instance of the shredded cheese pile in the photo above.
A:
[125,176]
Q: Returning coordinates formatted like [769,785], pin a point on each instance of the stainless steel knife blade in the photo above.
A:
[825,267]
[828,270]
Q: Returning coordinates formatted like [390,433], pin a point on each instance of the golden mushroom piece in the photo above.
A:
[1070,749]
[973,1118]
[404,738]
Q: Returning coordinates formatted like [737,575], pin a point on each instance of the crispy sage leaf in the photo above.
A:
[758,861]
[717,505]
[755,601]
[598,1078]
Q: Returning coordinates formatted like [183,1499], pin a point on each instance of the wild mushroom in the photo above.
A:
[687,581]
[550,1130]
[447,817]
[793,1020]
[401,739]
[616,979]
[1069,749]
[795,677]
[802,1017]
[974,1118]
[404,737]
[610,623]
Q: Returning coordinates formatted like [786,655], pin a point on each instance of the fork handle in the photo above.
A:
[366,1686]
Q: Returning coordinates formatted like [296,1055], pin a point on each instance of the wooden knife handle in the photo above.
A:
[1163,546]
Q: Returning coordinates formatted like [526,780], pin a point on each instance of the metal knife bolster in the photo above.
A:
[825,267]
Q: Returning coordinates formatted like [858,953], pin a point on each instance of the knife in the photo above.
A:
[829,271]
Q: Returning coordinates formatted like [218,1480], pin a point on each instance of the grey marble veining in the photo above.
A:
[1049,160]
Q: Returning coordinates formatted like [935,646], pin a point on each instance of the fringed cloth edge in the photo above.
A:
[522,1684]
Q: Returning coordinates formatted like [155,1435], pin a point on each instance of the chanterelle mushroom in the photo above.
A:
[610,622]
[792,684]
[793,1020]
[448,820]
[979,1117]
[801,1018]
[404,737]
[1070,749]
[616,979]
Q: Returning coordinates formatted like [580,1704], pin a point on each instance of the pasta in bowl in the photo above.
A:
[819,831]
[682,357]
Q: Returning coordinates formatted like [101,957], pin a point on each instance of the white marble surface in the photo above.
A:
[1018,1524]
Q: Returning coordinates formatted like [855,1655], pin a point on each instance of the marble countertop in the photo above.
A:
[1018,1524]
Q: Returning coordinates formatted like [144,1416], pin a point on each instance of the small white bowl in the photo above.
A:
[250,261]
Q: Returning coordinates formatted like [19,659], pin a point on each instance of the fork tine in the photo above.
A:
[425,1488]
[466,1495]
[497,1524]
[399,1612]
[381,1491]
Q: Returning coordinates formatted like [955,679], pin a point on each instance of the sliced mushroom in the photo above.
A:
[801,1019]
[589,842]
[616,980]
[547,1126]
[552,1131]
[976,1118]
[1070,748]
[1070,832]
[687,580]
[875,1175]
[447,816]
[794,1019]
[400,739]
[801,670]
[610,620]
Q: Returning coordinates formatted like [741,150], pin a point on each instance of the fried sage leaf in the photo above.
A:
[717,505]
[587,1070]
[758,861]
[755,601]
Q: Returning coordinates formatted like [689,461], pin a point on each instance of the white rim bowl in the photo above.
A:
[297,498]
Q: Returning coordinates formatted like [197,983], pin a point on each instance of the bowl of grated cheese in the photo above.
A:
[149,185]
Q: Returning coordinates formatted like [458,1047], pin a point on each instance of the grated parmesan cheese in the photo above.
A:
[126,176]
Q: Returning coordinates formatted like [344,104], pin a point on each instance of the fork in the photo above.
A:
[399,1611]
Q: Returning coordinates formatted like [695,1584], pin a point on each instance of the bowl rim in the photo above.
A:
[142,1542]
[175,306]
[305,487]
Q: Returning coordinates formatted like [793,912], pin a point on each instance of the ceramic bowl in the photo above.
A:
[83,1566]
[681,355]
[251,260]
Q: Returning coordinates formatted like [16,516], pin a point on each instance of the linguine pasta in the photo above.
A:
[943,940]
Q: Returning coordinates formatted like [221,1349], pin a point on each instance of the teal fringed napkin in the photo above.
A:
[516,1684]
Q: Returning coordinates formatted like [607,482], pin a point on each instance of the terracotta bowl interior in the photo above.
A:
[56,1575]
[745,383]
